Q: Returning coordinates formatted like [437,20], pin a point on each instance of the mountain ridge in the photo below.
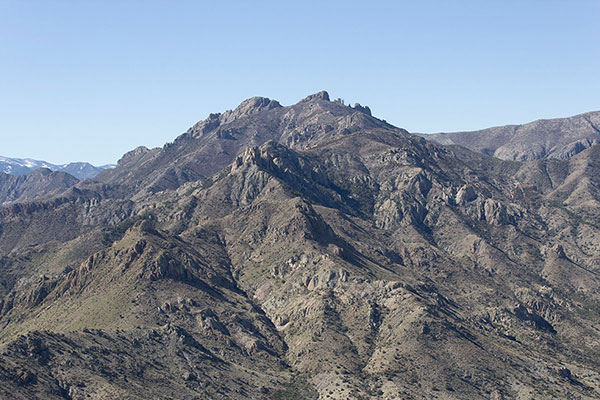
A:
[545,138]
[38,184]
[21,166]
[222,136]
[308,251]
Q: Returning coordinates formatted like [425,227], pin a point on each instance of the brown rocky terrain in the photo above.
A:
[309,251]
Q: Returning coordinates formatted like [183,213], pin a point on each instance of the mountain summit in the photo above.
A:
[309,251]
[212,144]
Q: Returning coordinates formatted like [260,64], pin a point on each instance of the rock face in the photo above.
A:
[305,252]
[465,194]
[560,138]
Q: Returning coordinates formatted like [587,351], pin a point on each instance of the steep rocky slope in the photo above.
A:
[309,251]
[547,138]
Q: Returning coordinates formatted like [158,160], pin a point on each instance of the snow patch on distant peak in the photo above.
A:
[20,166]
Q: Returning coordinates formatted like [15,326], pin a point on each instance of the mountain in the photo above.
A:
[19,166]
[38,184]
[212,144]
[303,252]
[547,138]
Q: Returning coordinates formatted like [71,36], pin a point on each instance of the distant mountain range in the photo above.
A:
[21,166]
[559,138]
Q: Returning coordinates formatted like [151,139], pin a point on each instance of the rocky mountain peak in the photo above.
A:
[322,95]
[251,106]
[248,107]
[137,152]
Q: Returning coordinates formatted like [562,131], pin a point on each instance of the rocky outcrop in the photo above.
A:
[322,95]
[465,194]
[362,109]
[536,320]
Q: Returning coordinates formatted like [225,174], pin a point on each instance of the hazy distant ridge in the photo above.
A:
[560,138]
[20,166]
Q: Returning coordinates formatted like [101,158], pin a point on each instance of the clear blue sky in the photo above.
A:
[89,80]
